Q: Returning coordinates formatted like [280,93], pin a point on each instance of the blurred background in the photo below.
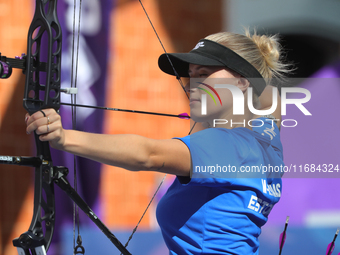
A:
[118,68]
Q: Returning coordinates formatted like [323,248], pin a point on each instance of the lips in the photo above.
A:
[195,100]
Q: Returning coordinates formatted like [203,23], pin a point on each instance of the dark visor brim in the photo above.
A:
[180,62]
[210,53]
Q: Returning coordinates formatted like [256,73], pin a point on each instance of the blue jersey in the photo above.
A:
[234,184]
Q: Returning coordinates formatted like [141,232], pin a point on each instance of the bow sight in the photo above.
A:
[6,65]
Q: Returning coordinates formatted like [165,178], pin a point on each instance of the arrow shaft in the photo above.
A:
[124,110]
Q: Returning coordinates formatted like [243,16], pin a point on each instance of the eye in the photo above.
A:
[203,75]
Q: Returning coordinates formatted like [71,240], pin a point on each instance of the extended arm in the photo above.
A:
[131,152]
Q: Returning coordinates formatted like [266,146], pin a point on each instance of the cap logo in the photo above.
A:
[198,45]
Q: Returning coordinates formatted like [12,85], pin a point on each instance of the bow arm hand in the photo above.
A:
[132,152]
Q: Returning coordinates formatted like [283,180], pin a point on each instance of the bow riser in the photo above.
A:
[45,26]
[44,29]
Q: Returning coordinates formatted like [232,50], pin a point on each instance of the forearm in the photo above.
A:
[131,152]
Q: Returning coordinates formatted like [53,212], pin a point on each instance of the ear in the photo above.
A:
[243,84]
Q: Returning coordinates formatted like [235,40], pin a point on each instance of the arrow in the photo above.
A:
[331,246]
[181,115]
[283,236]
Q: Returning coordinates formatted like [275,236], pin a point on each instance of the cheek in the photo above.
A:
[212,105]
[225,98]
[200,110]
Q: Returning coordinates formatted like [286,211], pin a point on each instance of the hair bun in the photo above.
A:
[269,47]
[271,50]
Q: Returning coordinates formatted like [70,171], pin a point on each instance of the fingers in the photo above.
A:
[43,122]
[49,132]
[42,127]
[27,116]
[47,125]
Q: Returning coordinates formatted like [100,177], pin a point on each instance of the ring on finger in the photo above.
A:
[48,120]
[48,128]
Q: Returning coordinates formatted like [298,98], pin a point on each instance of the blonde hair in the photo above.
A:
[263,52]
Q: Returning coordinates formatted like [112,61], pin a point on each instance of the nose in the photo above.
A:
[187,86]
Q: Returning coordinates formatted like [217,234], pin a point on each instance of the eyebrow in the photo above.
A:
[197,69]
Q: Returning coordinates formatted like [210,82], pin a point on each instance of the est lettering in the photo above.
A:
[258,205]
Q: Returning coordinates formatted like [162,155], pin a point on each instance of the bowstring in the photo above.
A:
[135,229]
[74,112]
[181,83]
[166,53]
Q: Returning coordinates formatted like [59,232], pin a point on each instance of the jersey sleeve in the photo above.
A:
[216,157]
[222,157]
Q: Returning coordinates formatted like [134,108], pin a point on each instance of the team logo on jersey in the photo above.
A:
[270,132]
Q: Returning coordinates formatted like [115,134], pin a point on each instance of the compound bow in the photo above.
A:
[42,90]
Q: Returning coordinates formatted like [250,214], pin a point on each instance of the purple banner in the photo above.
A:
[91,84]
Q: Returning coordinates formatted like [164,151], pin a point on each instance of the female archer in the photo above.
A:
[221,196]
